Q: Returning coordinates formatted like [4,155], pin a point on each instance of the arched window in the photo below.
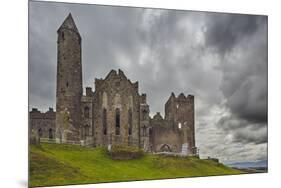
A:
[51,136]
[130,121]
[86,112]
[117,121]
[150,132]
[87,130]
[104,121]
[40,132]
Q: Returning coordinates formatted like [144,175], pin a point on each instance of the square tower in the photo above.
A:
[180,111]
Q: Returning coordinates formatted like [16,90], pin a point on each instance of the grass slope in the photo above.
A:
[59,164]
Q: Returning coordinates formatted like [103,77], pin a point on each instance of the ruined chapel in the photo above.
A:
[114,112]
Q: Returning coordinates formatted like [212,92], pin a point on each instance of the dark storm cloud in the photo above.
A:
[224,31]
[241,41]
[244,131]
[219,58]
[248,137]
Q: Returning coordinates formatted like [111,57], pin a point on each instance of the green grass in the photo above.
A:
[60,164]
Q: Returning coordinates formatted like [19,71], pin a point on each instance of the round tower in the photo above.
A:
[69,82]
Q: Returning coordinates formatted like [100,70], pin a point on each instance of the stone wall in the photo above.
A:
[144,123]
[86,129]
[164,137]
[116,99]
[69,82]
[180,110]
[42,124]
[114,113]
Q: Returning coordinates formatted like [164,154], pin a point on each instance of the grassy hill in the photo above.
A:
[59,164]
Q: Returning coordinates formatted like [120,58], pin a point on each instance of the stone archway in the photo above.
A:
[165,148]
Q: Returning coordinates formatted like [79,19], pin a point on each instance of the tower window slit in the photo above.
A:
[104,121]
[40,132]
[86,112]
[117,121]
[130,121]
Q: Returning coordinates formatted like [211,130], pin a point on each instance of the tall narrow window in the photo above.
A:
[87,130]
[104,121]
[117,121]
[51,134]
[130,121]
[40,132]
[150,132]
[83,132]
[86,112]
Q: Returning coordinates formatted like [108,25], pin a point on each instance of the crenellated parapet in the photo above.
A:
[180,110]
[42,124]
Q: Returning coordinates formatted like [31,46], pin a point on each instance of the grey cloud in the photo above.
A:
[224,31]
[220,58]
[241,42]
[244,131]
[254,136]
[245,78]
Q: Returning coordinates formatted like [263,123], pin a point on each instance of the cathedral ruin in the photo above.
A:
[114,112]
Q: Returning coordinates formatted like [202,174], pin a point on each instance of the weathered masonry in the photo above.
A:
[114,113]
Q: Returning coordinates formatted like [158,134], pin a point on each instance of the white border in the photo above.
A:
[14,22]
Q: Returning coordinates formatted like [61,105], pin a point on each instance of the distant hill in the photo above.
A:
[60,164]
[258,164]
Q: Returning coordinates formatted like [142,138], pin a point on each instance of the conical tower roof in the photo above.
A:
[69,24]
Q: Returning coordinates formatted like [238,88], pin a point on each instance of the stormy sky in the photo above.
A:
[219,58]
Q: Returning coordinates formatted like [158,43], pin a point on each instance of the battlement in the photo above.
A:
[89,92]
[180,110]
[175,101]
[37,114]
[143,98]
[35,110]
[182,97]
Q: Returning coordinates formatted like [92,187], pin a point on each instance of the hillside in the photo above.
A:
[59,164]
